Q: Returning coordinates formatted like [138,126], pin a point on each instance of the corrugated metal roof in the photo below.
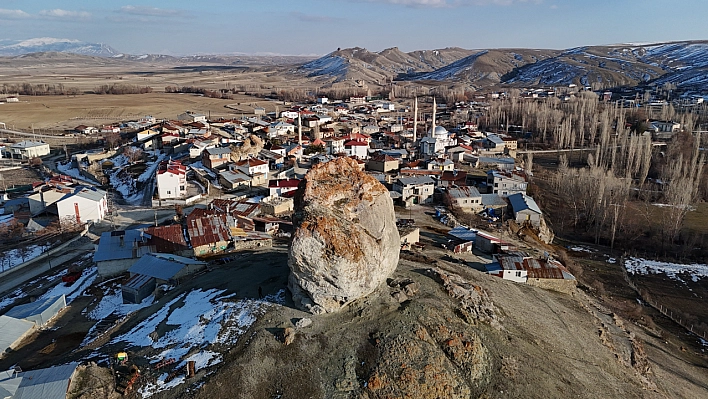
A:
[49,383]
[520,202]
[161,266]
[463,233]
[536,268]
[110,246]
[12,329]
[492,200]
[138,281]
[34,308]
[167,238]
[207,230]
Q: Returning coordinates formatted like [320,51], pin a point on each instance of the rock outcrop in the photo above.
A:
[346,242]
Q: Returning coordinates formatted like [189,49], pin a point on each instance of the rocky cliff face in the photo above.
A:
[346,242]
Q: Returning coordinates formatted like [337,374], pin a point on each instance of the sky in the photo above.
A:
[316,27]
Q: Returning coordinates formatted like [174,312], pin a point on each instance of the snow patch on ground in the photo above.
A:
[695,271]
[13,257]
[189,324]
[581,249]
[112,303]
[74,290]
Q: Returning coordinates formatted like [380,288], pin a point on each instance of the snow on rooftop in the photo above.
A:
[674,271]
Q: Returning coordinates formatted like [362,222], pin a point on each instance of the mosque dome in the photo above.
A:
[440,132]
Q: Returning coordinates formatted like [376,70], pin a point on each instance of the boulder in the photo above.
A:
[346,242]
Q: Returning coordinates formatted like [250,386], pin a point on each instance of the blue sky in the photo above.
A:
[181,27]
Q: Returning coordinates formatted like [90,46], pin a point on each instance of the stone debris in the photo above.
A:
[302,323]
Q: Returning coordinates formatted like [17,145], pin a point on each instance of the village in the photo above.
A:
[158,206]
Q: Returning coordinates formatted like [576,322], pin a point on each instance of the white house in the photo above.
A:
[525,209]
[322,100]
[467,199]
[415,190]
[84,205]
[255,168]
[190,116]
[289,114]
[334,145]
[279,187]
[29,149]
[171,180]
[356,149]
[506,183]
[280,129]
[110,129]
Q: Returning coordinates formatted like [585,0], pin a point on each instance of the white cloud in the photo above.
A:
[59,13]
[12,14]
[149,11]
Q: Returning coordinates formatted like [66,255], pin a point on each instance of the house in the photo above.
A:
[490,244]
[83,129]
[281,186]
[256,168]
[356,149]
[280,129]
[117,251]
[48,383]
[234,179]
[12,99]
[441,164]
[521,268]
[415,190]
[171,180]
[86,204]
[277,206]
[215,157]
[450,178]
[153,269]
[199,145]
[506,183]
[110,129]
[525,209]
[209,234]
[190,116]
[334,146]
[467,199]
[382,163]
[322,100]
[29,149]
[168,239]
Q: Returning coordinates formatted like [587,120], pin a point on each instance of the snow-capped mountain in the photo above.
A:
[50,44]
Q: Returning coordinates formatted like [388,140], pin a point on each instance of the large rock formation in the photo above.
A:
[346,242]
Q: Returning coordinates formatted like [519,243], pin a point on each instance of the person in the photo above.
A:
[260,292]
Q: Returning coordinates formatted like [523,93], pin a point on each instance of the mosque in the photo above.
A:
[434,143]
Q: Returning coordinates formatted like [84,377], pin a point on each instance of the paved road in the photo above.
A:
[27,273]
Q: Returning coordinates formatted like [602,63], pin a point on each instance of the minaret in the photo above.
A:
[415,119]
[435,109]
[299,129]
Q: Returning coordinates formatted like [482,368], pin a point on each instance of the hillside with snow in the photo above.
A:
[49,44]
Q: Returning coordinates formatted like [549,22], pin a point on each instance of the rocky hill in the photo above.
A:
[457,333]
[681,63]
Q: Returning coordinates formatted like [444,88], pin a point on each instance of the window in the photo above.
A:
[496,184]
[518,274]
[181,187]
[169,192]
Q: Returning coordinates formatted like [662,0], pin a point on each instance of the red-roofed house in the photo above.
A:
[256,168]
[356,149]
[282,186]
[171,180]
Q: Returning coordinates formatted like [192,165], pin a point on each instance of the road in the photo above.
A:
[27,273]
[32,135]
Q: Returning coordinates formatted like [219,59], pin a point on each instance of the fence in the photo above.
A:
[676,316]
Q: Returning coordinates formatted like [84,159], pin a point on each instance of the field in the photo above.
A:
[67,112]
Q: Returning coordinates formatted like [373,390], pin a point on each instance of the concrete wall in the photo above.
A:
[528,215]
[110,268]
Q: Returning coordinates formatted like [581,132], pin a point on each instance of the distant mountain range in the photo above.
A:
[47,44]
[682,63]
